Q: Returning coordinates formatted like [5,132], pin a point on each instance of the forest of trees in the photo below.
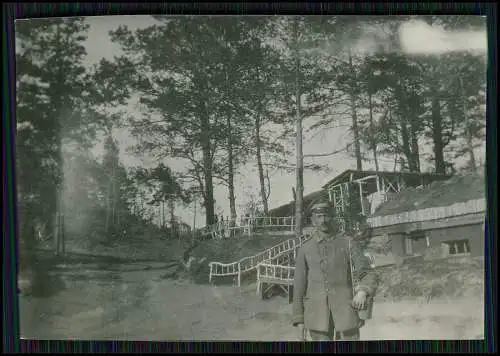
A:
[217,93]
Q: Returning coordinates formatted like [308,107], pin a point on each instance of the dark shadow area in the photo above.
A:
[69,257]
[274,291]
[43,285]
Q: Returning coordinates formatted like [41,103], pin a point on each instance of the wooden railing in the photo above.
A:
[246,225]
[273,221]
[250,263]
[276,272]
[282,259]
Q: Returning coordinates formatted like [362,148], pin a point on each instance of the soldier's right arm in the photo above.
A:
[299,287]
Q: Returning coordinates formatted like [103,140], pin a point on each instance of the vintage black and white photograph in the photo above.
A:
[255,178]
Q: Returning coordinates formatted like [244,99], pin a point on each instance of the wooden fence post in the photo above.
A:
[59,233]
[249,226]
[239,274]
[63,234]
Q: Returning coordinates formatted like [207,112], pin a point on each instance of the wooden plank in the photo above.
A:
[268,289]
[261,290]
[469,219]
[276,281]
[283,288]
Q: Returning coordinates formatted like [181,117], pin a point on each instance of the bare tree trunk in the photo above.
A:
[194,219]
[118,216]
[405,126]
[59,105]
[259,165]
[57,235]
[268,194]
[173,224]
[470,149]
[468,131]
[414,135]
[300,155]
[354,115]
[372,129]
[415,154]
[114,194]
[107,223]
[405,136]
[208,196]
[232,198]
[396,146]
[437,134]
[163,219]
[62,232]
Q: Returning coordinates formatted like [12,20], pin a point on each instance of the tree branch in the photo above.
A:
[331,153]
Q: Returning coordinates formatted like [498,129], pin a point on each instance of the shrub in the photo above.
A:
[445,278]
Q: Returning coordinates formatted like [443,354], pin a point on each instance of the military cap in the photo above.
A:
[320,207]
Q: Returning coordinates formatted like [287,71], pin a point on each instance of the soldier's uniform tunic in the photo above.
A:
[323,291]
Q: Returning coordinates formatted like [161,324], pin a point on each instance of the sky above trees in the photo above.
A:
[417,38]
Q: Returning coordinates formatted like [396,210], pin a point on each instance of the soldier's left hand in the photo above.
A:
[359,301]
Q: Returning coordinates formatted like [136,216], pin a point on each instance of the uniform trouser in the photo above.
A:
[331,334]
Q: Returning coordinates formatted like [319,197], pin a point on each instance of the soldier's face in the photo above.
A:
[320,221]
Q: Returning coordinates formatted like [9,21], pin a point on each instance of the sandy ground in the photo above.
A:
[141,305]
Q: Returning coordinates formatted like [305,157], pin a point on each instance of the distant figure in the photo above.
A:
[323,300]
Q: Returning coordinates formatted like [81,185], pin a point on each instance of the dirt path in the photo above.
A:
[142,305]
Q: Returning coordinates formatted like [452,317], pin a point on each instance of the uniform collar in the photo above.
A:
[321,236]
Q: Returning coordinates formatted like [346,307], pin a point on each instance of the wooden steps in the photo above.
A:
[251,263]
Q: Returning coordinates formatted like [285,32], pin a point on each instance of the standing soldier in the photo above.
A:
[324,300]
